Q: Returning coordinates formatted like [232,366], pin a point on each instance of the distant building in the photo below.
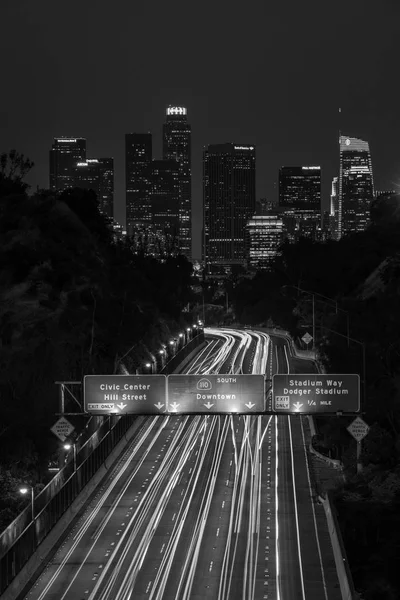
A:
[177,146]
[264,206]
[356,185]
[379,193]
[118,231]
[300,199]
[265,234]
[335,211]
[138,171]
[165,196]
[65,153]
[97,174]
[229,175]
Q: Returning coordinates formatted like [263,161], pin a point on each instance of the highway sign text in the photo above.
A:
[315,393]
[358,429]
[216,394]
[62,428]
[131,394]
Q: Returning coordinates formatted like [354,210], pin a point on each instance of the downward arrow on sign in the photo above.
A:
[174,406]
[297,405]
[122,405]
[208,405]
[250,405]
[159,405]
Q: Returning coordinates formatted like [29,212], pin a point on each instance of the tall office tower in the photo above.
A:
[177,146]
[264,235]
[335,215]
[300,199]
[138,156]
[97,174]
[65,153]
[356,185]
[165,205]
[229,181]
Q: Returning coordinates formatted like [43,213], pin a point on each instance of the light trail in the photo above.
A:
[165,545]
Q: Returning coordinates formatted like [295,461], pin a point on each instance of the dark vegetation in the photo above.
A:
[361,272]
[74,300]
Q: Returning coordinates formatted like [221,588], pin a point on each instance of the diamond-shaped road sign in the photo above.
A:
[62,428]
[307,338]
[358,429]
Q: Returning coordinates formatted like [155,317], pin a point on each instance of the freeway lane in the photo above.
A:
[302,572]
[155,497]
[195,505]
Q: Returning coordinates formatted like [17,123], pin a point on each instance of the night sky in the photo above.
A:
[264,72]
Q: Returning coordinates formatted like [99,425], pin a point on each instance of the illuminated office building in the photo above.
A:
[65,153]
[265,234]
[300,199]
[335,214]
[356,185]
[165,196]
[229,176]
[380,193]
[177,146]
[138,157]
[97,174]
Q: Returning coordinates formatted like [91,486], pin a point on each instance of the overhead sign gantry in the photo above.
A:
[221,394]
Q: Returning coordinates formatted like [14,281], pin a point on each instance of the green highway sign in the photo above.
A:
[315,393]
[125,394]
[242,394]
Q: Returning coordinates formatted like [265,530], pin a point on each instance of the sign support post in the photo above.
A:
[359,465]
[358,429]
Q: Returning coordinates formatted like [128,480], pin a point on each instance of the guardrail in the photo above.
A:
[21,538]
[347,589]
[339,552]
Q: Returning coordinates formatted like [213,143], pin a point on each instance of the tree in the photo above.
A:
[13,168]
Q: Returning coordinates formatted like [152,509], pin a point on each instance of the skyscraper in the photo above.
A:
[65,153]
[177,146]
[300,199]
[229,178]
[97,174]
[165,196]
[335,212]
[356,185]
[264,237]
[138,157]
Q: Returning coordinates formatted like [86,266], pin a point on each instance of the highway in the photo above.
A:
[216,507]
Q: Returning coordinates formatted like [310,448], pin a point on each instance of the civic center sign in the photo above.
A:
[315,393]
[158,394]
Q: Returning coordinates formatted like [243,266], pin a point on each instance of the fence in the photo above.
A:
[21,538]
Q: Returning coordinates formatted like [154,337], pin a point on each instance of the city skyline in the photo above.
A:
[286,100]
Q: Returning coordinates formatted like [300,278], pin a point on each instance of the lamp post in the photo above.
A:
[68,446]
[162,354]
[181,340]
[364,372]
[148,367]
[24,490]
[313,294]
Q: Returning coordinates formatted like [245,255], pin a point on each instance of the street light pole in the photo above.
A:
[362,344]
[313,320]
[24,490]
[313,294]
